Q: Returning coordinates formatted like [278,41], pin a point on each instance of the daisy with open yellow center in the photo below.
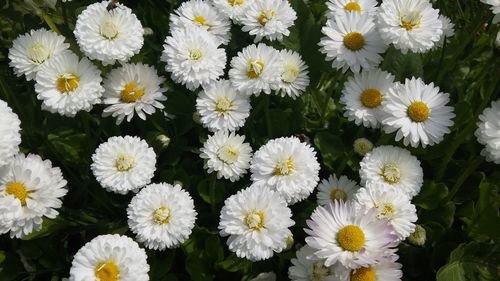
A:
[162,215]
[67,83]
[254,220]
[200,20]
[352,6]
[255,68]
[371,98]
[132,92]
[18,190]
[107,271]
[351,238]
[284,167]
[354,41]
[418,111]
[363,274]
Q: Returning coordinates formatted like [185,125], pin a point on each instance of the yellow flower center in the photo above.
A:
[124,163]
[284,167]
[319,272]
[200,20]
[108,271]
[254,68]
[351,238]
[352,6]
[371,98]
[391,173]
[223,105]
[17,190]
[254,220]
[161,215]
[386,210]
[410,20]
[67,83]
[290,73]
[131,92]
[354,41]
[363,274]
[338,194]
[38,53]
[265,16]
[109,30]
[195,54]
[235,2]
[228,154]
[418,111]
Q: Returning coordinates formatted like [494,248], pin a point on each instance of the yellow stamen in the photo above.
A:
[131,92]
[161,215]
[255,68]
[67,83]
[254,220]
[418,111]
[109,30]
[363,274]
[284,167]
[391,173]
[410,20]
[17,190]
[200,20]
[386,210]
[38,53]
[290,73]
[351,238]
[235,2]
[108,271]
[354,41]
[223,105]
[338,194]
[352,6]
[371,98]
[228,154]
[124,163]
[195,54]
[266,16]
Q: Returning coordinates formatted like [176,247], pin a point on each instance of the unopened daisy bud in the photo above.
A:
[289,242]
[265,276]
[197,118]
[418,237]
[497,41]
[163,140]
[148,31]
[178,183]
[362,146]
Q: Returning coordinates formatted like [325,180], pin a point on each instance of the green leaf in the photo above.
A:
[403,65]
[443,215]
[431,195]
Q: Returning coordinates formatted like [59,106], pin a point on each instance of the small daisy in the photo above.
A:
[10,133]
[202,15]
[334,188]
[133,88]
[363,94]
[256,69]
[67,85]
[418,112]
[227,154]
[221,107]
[124,164]
[488,132]
[386,270]
[344,232]
[31,50]
[352,41]
[409,24]
[495,8]
[353,6]
[109,258]
[392,204]
[448,30]
[193,58]
[162,216]
[109,35]
[295,76]
[288,166]
[268,19]
[30,190]
[256,220]
[306,268]
[234,9]
[394,167]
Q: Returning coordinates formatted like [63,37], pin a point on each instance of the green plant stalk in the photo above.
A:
[50,23]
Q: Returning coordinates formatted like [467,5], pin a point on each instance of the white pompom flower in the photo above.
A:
[333,188]
[31,189]
[256,220]
[287,166]
[110,257]
[488,132]
[162,216]
[193,57]
[10,133]
[295,76]
[234,9]
[109,35]
[227,154]
[32,50]
[222,107]
[133,89]
[123,164]
[353,6]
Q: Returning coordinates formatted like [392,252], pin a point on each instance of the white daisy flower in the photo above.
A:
[67,85]
[386,270]
[495,8]
[108,258]
[352,41]
[221,107]
[295,76]
[287,166]
[234,9]
[394,167]
[227,154]
[133,88]
[123,164]
[30,190]
[256,220]
[344,232]
[268,19]
[10,133]
[353,6]
[488,132]
[418,112]
[448,30]
[256,69]
[334,188]
[193,58]
[162,216]
[31,50]
[392,204]
[109,35]
[363,94]
[409,24]
[200,14]
[306,268]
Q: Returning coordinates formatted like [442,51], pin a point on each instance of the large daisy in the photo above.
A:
[333,188]
[488,132]
[10,133]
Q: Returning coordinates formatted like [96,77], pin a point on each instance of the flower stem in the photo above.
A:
[50,23]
